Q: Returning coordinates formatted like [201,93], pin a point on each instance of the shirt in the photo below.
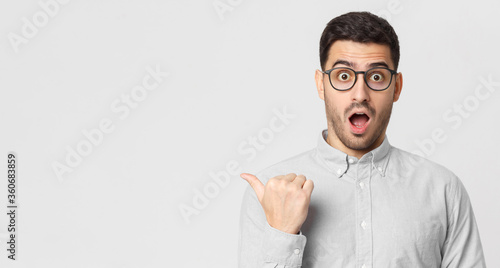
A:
[390,208]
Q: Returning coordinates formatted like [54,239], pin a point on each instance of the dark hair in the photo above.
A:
[361,27]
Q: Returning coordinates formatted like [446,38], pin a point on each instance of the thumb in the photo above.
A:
[256,184]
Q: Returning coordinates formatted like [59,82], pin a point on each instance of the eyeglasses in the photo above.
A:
[343,78]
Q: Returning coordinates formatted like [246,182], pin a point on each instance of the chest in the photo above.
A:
[377,223]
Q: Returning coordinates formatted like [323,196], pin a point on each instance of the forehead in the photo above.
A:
[359,54]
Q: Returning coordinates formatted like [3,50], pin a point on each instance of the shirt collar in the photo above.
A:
[338,162]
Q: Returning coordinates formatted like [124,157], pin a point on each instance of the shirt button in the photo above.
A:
[363,266]
[380,169]
[351,160]
[339,171]
[361,184]
[363,224]
[296,251]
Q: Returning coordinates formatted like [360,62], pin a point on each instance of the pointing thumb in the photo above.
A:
[256,184]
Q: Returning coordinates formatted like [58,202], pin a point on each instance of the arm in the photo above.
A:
[462,247]
[261,244]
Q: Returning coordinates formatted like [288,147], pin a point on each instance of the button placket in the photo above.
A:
[363,215]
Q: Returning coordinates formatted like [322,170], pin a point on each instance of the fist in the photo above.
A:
[285,200]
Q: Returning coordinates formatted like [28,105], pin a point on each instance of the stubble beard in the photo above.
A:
[357,141]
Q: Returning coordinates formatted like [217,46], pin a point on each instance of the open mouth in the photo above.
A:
[359,119]
[359,122]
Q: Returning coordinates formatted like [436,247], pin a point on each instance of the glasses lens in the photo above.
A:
[342,79]
[378,78]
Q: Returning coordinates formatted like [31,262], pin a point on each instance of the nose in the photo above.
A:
[360,91]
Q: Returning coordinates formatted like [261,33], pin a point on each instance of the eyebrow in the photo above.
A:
[371,65]
[343,62]
[378,64]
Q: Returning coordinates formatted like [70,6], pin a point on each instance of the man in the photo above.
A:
[373,205]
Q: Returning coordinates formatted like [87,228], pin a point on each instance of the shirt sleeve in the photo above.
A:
[262,246]
[462,247]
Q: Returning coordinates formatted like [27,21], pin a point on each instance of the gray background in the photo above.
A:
[228,71]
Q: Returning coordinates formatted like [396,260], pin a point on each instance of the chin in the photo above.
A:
[360,141]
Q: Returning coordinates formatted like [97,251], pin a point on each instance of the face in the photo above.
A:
[357,118]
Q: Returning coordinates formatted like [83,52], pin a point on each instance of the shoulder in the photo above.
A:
[404,164]
[423,173]
[292,164]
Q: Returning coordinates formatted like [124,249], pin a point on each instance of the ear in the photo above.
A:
[398,87]
[318,76]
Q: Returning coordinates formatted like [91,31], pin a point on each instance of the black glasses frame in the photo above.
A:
[328,72]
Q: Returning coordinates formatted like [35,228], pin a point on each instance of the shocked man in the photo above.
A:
[373,205]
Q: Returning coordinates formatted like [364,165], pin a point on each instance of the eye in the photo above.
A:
[343,76]
[377,77]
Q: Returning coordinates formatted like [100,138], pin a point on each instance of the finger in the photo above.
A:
[256,184]
[279,177]
[308,186]
[299,180]
[289,177]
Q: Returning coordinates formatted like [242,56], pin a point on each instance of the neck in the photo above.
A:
[336,143]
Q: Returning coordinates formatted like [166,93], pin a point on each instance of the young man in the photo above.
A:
[373,205]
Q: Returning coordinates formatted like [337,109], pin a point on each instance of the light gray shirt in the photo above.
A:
[388,209]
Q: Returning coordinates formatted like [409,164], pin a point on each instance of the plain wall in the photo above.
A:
[232,65]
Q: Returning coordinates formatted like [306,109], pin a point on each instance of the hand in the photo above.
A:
[285,200]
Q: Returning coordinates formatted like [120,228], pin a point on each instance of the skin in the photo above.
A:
[339,105]
[286,198]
